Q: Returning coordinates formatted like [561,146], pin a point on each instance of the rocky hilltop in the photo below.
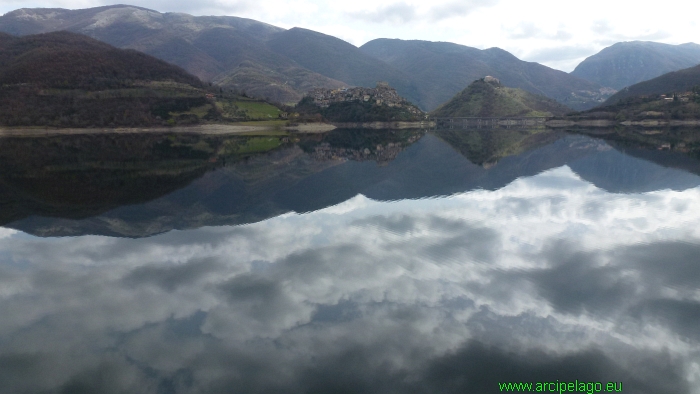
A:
[486,97]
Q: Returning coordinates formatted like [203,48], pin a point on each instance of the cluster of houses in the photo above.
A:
[382,154]
[683,97]
[382,94]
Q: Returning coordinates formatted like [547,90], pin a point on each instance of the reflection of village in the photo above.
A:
[678,141]
[381,153]
[383,94]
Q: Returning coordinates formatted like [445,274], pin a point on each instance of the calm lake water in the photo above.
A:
[407,261]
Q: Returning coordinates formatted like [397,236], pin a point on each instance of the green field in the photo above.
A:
[243,109]
[250,145]
[258,110]
[200,111]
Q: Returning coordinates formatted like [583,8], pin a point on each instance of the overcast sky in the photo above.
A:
[557,33]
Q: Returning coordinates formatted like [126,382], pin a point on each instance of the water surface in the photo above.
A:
[354,262]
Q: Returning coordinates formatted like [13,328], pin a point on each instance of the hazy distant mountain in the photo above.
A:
[491,99]
[230,50]
[442,69]
[626,63]
[673,82]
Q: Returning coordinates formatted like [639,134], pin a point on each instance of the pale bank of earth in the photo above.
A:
[583,123]
[312,128]
[610,123]
[212,129]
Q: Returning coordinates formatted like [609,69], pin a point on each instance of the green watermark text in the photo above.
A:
[561,387]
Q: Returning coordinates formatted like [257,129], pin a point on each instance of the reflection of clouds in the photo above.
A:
[547,277]
[6,232]
[475,367]
[577,282]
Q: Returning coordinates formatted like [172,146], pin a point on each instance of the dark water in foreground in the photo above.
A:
[387,262]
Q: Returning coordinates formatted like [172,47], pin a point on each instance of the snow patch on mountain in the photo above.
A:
[145,18]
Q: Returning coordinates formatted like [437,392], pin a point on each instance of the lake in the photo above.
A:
[385,261]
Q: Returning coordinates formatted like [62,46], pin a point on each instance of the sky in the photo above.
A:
[559,34]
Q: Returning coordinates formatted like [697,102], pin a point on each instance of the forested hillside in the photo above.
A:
[64,60]
[65,79]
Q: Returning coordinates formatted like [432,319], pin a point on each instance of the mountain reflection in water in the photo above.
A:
[320,265]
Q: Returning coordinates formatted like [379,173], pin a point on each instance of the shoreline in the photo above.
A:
[210,129]
[207,129]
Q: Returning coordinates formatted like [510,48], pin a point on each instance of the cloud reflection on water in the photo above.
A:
[547,278]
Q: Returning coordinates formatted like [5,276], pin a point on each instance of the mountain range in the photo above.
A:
[282,65]
[443,69]
[228,49]
[627,63]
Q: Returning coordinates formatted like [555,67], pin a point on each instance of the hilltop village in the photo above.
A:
[382,94]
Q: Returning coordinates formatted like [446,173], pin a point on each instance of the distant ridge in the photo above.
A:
[673,82]
[228,50]
[341,60]
[442,69]
[627,63]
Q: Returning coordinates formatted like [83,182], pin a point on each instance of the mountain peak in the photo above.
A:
[486,97]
